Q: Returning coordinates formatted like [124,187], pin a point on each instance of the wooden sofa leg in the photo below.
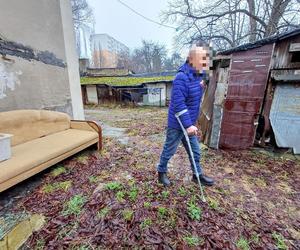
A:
[100,143]
[99,146]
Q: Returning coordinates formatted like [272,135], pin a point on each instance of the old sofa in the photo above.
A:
[41,139]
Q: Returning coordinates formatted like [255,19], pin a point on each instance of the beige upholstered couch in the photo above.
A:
[41,139]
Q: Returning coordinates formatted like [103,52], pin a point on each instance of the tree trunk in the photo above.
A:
[253,23]
[278,9]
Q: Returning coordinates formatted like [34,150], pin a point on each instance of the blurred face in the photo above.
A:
[199,58]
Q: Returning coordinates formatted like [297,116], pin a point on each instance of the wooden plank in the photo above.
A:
[294,47]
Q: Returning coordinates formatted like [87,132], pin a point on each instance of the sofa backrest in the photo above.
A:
[26,125]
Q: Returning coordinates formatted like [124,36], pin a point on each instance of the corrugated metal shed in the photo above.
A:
[247,83]
[285,116]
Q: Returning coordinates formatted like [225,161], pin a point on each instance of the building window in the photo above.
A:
[295,57]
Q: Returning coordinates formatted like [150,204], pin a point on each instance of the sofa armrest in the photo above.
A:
[88,125]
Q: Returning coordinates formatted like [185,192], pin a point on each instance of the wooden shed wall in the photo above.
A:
[282,57]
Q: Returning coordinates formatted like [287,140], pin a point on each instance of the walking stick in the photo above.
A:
[177,115]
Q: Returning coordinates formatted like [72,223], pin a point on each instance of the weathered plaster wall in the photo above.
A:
[38,63]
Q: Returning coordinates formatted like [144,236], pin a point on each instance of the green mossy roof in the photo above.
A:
[123,81]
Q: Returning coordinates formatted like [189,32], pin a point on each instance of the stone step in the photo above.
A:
[15,229]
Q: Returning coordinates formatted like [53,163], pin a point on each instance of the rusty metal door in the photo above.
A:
[246,87]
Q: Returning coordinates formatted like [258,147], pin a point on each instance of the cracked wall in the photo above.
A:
[38,62]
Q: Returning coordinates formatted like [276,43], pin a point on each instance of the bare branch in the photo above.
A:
[218,16]
[231,22]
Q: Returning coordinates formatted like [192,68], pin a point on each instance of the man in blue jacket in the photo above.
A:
[186,98]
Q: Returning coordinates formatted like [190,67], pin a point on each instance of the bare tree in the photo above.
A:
[149,57]
[83,19]
[124,60]
[231,22]
[252,21]
[82,12]
[173,62]
[138,61]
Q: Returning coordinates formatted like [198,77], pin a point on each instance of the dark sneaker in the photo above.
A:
[206,181]
[163,179]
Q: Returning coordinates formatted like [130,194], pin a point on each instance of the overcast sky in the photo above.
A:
[121,23]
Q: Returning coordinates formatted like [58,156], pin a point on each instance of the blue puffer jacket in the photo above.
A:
[186,94]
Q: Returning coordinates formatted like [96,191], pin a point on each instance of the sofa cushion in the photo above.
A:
[26,125]
[33,153]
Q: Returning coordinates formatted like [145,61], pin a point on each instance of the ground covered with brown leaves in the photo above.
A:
[111,200]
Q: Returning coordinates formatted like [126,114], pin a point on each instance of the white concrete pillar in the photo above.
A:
[71,59]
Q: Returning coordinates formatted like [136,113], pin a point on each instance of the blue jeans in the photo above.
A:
[173,138]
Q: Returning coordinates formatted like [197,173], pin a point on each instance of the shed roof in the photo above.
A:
[259,43]
[124,81]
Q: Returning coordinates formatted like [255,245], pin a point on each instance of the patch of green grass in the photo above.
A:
[131,182]
[260,182]
[84,247]
[127,215]
[40,244]
[222,191]
[58,170]
[93,179]
[63,186]
[182,191]
[113,186]
[48,188]
[165,194]
[147,204]
[212,203]
[280,241]
[194,212]
[167,216]
[74,205]
[133,193]
[162,212]
[255,238]
[193,241]
[120,196]
[103,212]
[146,223]
[243,244]
[149,193]
[150,196]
